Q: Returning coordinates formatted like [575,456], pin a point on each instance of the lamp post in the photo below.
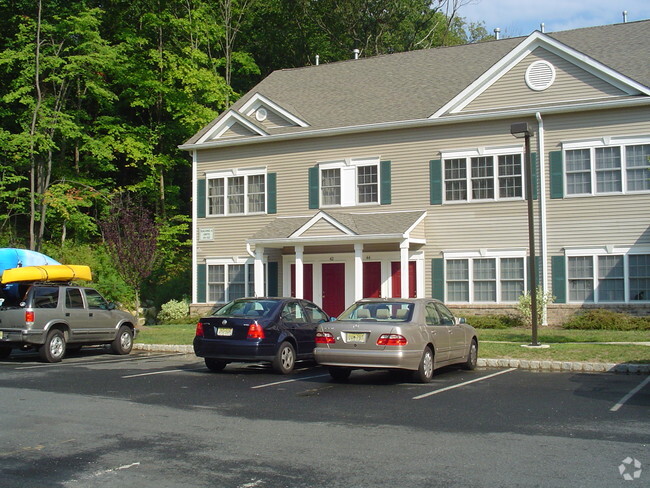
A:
[521,131]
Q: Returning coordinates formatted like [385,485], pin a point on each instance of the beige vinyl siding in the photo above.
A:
[273,120]
[571,83]
[322,228]
[236,130]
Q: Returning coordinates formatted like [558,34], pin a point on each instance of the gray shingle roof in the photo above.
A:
[413,85]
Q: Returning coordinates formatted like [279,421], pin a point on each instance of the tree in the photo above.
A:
[131,235]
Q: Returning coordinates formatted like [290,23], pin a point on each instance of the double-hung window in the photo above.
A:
[488,174]
[349,182]
[228,281]
[236,192]
[597,277]
[495,277]
[607,166]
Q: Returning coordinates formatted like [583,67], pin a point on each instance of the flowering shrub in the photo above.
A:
[173,311]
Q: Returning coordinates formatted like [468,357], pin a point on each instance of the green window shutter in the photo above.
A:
[557,174]
[558,269]
[314,187]
[201,282]
[385,176]
[435,182]
[533,166]
[271,193]
[438,278]
[200,199]
[272,268]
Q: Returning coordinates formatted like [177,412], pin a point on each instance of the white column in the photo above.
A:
[258,268]
[299,271]
[358,272]
[404,267]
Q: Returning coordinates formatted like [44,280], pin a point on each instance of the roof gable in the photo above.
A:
[269,113]
[232,124]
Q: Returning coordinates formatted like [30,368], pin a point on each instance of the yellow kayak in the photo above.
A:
[50,272]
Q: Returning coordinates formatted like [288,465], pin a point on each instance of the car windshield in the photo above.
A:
[379,311]
[247,308]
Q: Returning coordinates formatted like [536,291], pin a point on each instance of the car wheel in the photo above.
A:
[425,371]
[54,348]
[5,351]
[285,359]
[472,356]
[340,374]
[123,343]
[215,365]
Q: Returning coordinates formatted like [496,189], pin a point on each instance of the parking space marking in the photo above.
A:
[288,381]
[435,392]
[163,372]
[632,392]
[98,361]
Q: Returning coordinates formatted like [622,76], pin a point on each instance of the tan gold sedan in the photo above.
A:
[419,334]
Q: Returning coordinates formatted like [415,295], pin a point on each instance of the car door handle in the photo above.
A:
[67,314]
[90,314]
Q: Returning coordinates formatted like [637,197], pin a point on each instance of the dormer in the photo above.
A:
[269,114]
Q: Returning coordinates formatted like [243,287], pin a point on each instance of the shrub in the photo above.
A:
[494,321]
[601,319]
[173,311]
[525,302]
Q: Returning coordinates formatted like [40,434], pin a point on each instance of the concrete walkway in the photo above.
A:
[542,366]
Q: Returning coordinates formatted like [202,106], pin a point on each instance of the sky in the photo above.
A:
[521,17]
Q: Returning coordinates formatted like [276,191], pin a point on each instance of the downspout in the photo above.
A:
[542,210]
[194,228]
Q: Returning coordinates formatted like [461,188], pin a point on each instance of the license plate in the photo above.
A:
[1,334]
[224,331]
[355,337]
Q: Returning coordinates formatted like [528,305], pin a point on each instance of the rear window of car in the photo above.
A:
[247,308]
[45,297]
[379,312]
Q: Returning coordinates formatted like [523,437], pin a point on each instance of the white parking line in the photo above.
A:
[622,401]
[288,381]
[98,361]
[162,372]
[435,392]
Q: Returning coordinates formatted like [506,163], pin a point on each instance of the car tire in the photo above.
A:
[285,359]
[215,365]
[424,374]
[123,343]
[53,350]
[339,373]
[5,351]
[472,356]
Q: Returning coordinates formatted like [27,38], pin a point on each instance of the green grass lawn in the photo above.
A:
[558,339]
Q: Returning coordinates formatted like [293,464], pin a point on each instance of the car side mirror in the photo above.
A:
[332,319]
[461,320]
[110,306]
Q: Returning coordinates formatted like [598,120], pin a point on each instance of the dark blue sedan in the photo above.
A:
[278,330]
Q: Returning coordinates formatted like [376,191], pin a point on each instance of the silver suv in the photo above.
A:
[54,318]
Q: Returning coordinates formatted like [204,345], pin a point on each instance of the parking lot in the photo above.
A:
[162,419]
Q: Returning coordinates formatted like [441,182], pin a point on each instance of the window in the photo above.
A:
[95,300]
[485,279]
[607,167]
[73,298]
[609,278]
[229,281]
[484,177]
[45,297]
[349,182]
[236,194]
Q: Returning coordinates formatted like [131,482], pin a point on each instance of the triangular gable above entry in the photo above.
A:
[269,113]
[322,225]
[595,69]
[232,125]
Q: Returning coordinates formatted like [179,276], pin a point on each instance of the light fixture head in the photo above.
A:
[521,130]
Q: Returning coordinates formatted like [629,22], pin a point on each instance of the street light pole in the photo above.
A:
[521,130]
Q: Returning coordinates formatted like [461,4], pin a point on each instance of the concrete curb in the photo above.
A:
[543,366]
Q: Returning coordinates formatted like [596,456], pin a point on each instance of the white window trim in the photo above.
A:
[235,172]
[496,254]
[349,180]
[495,152]
[600,142]
[236,260]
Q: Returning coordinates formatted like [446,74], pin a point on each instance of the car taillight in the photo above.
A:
[199,330]
[391,340]
[29,316]
[325,338]
[255,331]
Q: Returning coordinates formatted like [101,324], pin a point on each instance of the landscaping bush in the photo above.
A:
[174,311]
[494,321]
[601,319]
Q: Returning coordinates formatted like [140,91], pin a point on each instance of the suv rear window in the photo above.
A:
[45,297]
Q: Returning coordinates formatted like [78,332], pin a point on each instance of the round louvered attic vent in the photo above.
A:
[540,75]
[261,114]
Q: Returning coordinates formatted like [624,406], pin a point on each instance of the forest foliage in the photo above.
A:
[96,95]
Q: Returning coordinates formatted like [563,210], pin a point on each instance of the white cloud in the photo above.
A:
[521,17]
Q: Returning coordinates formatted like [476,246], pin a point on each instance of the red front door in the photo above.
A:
[371,279]
[307,281]
[396,278]
[333,288]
